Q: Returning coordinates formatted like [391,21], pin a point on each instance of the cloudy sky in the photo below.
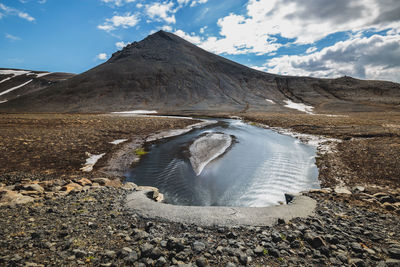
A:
[320,38]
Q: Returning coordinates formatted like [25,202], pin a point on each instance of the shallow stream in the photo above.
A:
[259,168]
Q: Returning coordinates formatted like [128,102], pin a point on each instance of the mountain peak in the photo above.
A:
[153,43]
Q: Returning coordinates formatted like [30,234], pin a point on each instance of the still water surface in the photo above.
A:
[258,169]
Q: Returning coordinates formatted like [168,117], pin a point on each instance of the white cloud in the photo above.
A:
[12,37]
[162,11]
[192,2]
[117,2]
[166,28]
[375,57]
[183,2]
[258,68]
[102,56]
[116,21]
[198,2]
[311,49]
[202,29]
[302,22]
[15,12]
[120,45]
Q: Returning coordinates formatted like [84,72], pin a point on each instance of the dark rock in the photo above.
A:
[342,257]
[201,262]
[156,253]
[325,251]
[231,235]
[295,244]
[175,244]
[161,262]
[92,225]
[146,249]
[281,221]
[131,258]
[259,250]
[198,246]
[274,252]
[394,253]
[110,254]
[356,247]
[140,234]
[332,239]
[79,253]
[243,258]
[314,241]
[392,263]
[357,262]
[124,252]
[276,237]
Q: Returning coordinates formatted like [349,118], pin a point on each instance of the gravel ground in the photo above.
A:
[94,228]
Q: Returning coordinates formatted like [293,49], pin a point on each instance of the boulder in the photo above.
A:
[314,241]
[83,181]
[114,183]
[33,187]
[153,194]
[100,181]
[388,206]
[8,197]
[71,187]
[342,190]
[129,186]
[358,189]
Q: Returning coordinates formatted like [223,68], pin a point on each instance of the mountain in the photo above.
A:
[166,73]
[15,83]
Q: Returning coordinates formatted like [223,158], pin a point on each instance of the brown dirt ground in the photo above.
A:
[368,154]
[46,146]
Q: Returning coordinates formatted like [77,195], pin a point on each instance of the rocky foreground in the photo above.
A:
[86,222]
[51,216]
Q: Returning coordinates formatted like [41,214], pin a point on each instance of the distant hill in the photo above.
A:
[15,83]
[166,73]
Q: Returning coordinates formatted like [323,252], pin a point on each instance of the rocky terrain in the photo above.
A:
[70,227]
[55,214]
[163,72]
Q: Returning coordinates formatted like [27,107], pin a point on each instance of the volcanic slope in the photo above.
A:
[15,83]
[164,72]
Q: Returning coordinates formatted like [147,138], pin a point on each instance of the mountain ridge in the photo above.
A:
[169,74]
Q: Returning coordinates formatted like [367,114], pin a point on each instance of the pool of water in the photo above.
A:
[259,168]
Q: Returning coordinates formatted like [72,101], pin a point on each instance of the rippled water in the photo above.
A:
[255,172]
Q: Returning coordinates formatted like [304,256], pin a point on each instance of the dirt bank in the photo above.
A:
[51,146]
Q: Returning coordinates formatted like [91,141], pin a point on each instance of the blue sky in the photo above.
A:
[320,38]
